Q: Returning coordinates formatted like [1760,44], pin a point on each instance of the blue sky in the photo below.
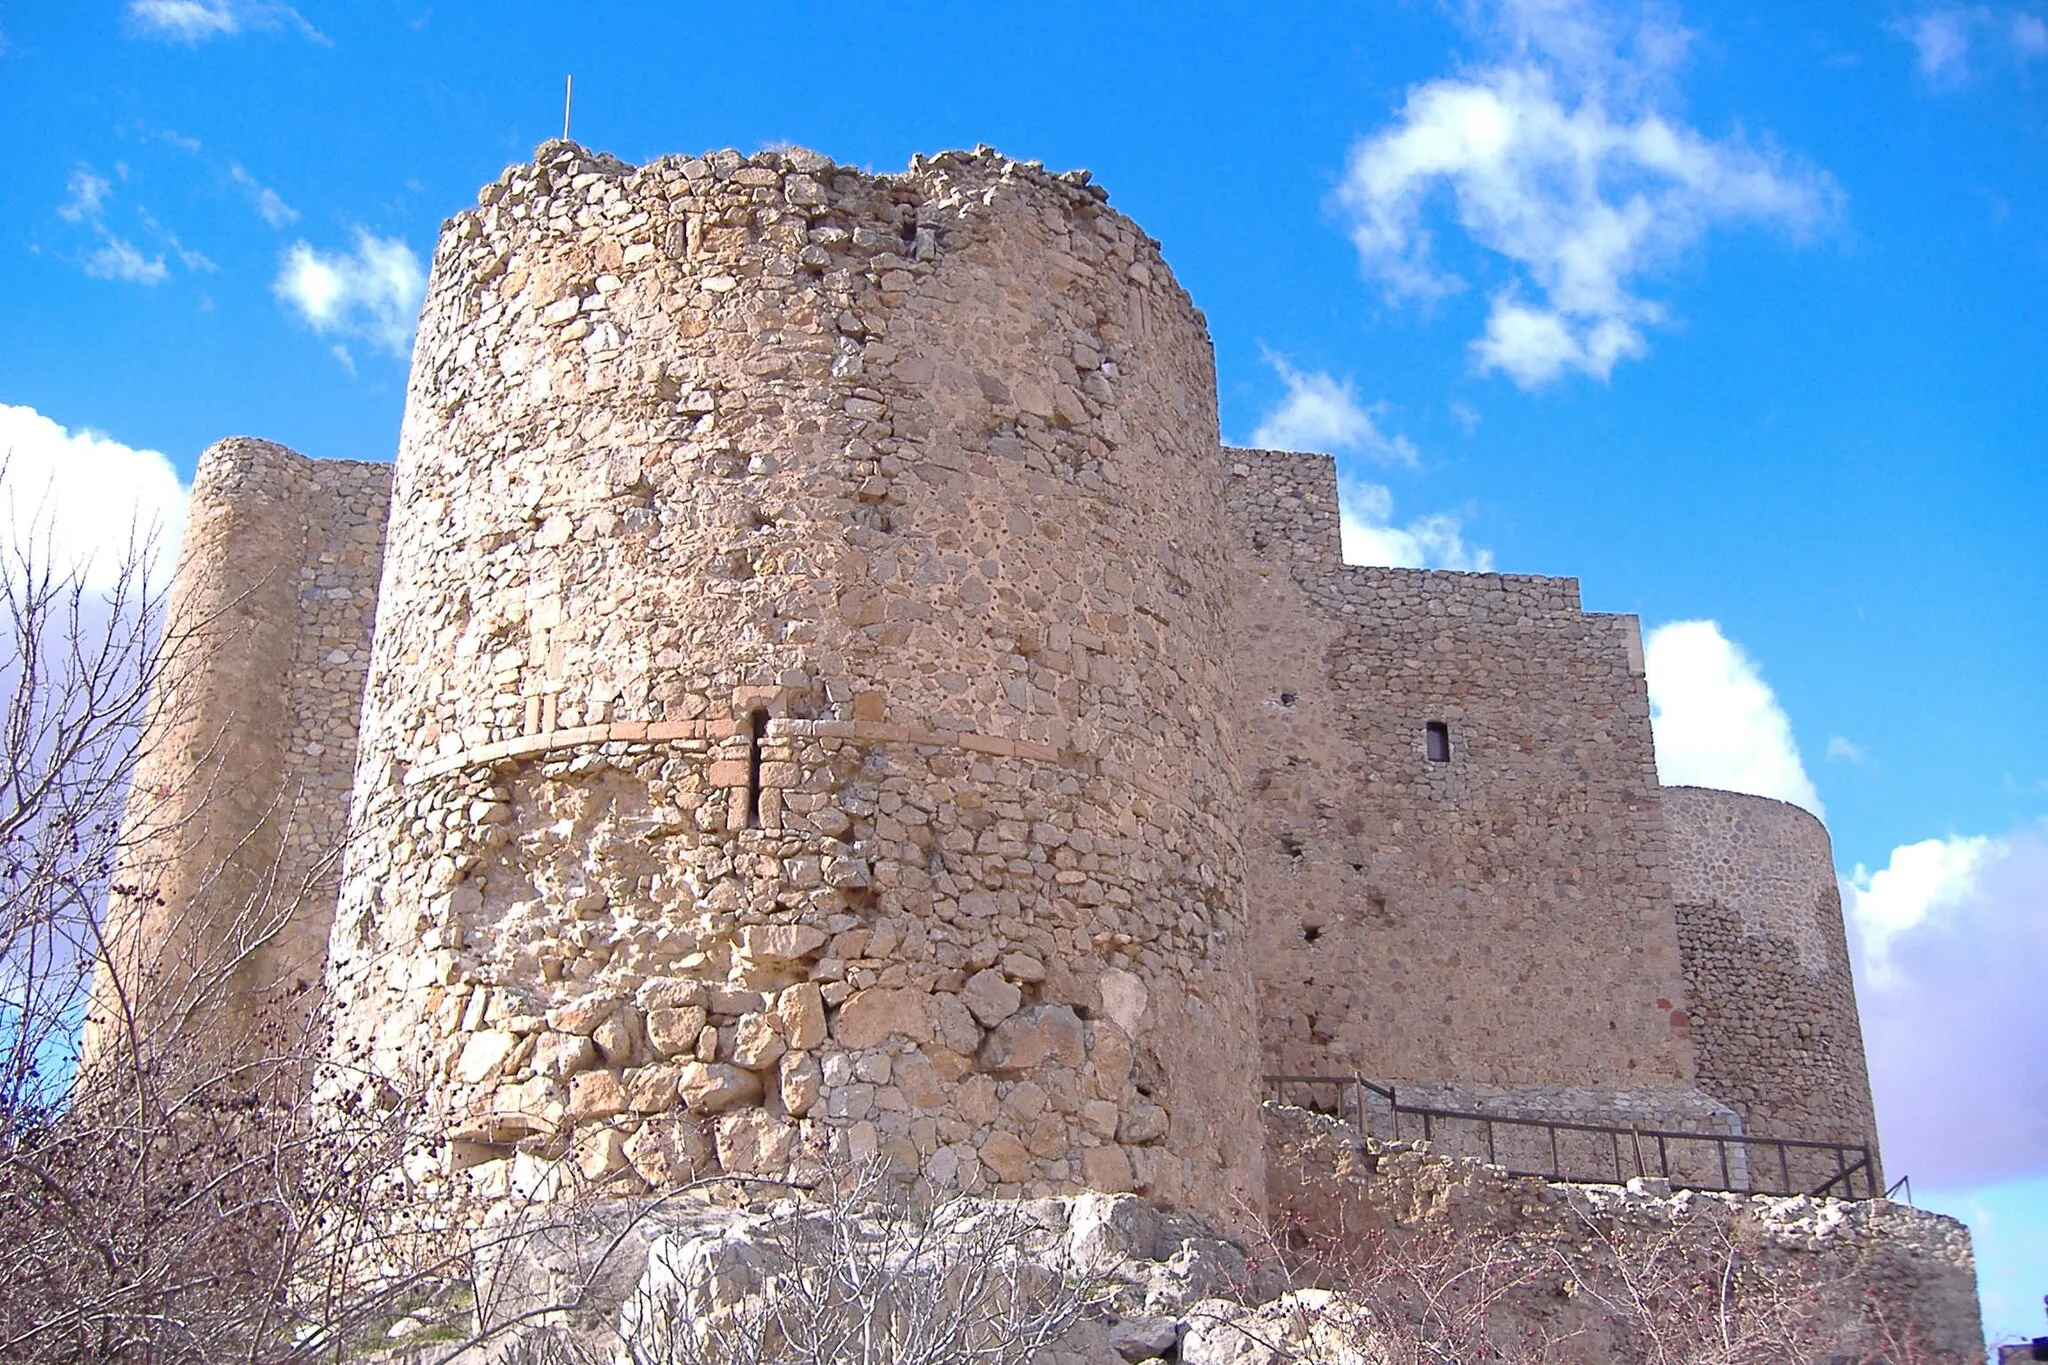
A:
[1733,310]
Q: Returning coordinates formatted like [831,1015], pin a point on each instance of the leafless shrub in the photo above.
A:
[857,1272]
[1698,1289]
[161,1199]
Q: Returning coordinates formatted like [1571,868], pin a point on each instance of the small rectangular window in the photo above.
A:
[757,730]
[1436,738]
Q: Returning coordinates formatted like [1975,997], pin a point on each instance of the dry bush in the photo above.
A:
[1697,1290]
[856,1272]
[161,1197]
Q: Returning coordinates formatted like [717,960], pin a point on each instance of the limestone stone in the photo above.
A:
[482,1055]
[953,1024]
[802,1080]
[782,942]
[1006,1156]
[1027,1039]
[602,1153]
[753,1143]
[1124,999]
[561,1055]
[801,1010]
[716,1087]
[653,1089]
[617,1037]
[595,1095]
[872,1015]
[1101,1117]
[583,1014]
[671,993]
[1143,1338]
[673,1032]
[756,1044]
[990,997]
[917,1080]
[1144,1122]
[1106,1168]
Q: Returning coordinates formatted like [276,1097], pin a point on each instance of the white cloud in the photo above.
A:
[1717,722]
[1842,750]
[83,497]
[270,205]
[2030,35]
[1949,937]
[1558,161]
[1942,40]
[1370,537]
[119,259]
[373,292]
[195,21]
[115,258]
[89,193]
[1945,39]
[1921,881]
[1322,415]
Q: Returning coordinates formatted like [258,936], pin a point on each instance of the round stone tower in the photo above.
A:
[1766,958]
[797,720]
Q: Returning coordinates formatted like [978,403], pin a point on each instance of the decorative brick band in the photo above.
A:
[868,731]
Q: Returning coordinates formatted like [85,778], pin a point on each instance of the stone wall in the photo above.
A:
[799,717]
[235,822]
[1767,964]
[1883,1280]
[1575,1154]
[1500,918]
[834,694]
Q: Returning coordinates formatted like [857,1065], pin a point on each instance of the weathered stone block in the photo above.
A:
[716,1087]
[870,1016]
[990,998]
[801,1011]
[1027,1039]
[673,1032]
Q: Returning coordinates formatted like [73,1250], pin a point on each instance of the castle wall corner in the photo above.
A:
[217,933]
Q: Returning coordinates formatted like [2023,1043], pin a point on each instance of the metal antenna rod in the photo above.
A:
[568,94]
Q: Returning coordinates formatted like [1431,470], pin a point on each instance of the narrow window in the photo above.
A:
[1436,741]
[757,730]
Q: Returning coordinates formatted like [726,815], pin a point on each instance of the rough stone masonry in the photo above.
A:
[825,688]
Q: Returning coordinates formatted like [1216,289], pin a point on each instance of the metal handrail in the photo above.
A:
[1846,1170]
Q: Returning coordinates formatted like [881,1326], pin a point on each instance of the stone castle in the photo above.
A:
[814,680]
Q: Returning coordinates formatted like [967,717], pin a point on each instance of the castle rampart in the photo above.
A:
[1767,964]
[799,718]
[1494,912]
[831,692]
[241,799]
